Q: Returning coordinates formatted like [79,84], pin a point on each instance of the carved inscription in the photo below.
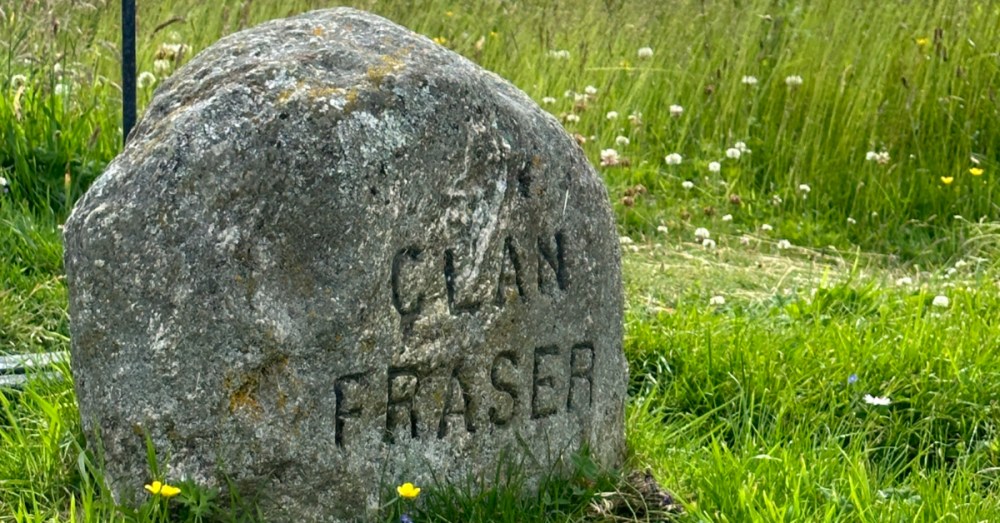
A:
[522,274]
[520,386]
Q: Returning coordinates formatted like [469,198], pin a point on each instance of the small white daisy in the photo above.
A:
[877,400]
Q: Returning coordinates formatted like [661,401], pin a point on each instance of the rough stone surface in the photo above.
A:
[335,256]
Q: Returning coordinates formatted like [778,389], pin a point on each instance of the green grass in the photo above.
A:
[747,410]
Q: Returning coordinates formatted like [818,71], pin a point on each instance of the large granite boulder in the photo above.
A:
[335,256]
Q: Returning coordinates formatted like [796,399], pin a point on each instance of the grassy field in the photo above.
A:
[813,311]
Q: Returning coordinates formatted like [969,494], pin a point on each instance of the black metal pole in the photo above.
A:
[128,67]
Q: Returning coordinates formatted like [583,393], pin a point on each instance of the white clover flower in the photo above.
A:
[146,79]
[609,157]
[548,100]
[905,280]
[733,153]
[645,52]
[676,111]
[871,156]
[851,221]
[708,244]
[784,244]
[673,159]
[3,182]
[590,89]
[57,68]
[749,80]
[572,118]
[663,229]
[941,301]
[560,54]
[625,240]
[793,81]
[804,188]
[744,240]
[877,400]
[612,115]
[742,146]
[714,167]
[568,93]
[961,263]
[766,227]
[687,185]
[717,300]
[702,234]
[883,158]
[61,90]
[18,80]
[727,218]
[622,140]
[579,97]
[635,118]
[161,67]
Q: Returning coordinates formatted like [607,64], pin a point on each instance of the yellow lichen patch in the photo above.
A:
[318,31]
[245,398]
[377,73]
[323,92]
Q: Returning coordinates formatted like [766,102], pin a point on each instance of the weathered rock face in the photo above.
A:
[334,257]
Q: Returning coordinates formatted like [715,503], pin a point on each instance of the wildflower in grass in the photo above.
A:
[609,157]
[852,379]
[744,240]
[57,69]
[408,491]
[923,41]
[571,118]
[687,185]
[673,159]
[635,118]
[793,81]
[622,140]
[714,167]
[18,80]
[405,518]
[742,147]
[961,263]
[776,200]
[612,115]
[877,400]
[662,228]
[162,489]
[749,80]
[941,301]
[590,90]
[440,40]
[976,171]
[625,240]
[880,158]
[559,54]
[449,14]
[708,243]
[733,153]
[61,90]
[727,218]
[702,234]
[851,221]
[3,184]
[645,52]
[568,93]
[580,97]
[947,179]
[146,79]
[717,300]
[676,111]
[905,280]
[804,189]
[162,67]
[766,227]
[784,244]
[548,100]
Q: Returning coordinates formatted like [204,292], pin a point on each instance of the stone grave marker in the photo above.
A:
[335,257]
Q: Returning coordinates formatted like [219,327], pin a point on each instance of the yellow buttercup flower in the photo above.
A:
[162,489]
[407,491]
[976,171]
[440,40]
[947,179]
[923,41]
